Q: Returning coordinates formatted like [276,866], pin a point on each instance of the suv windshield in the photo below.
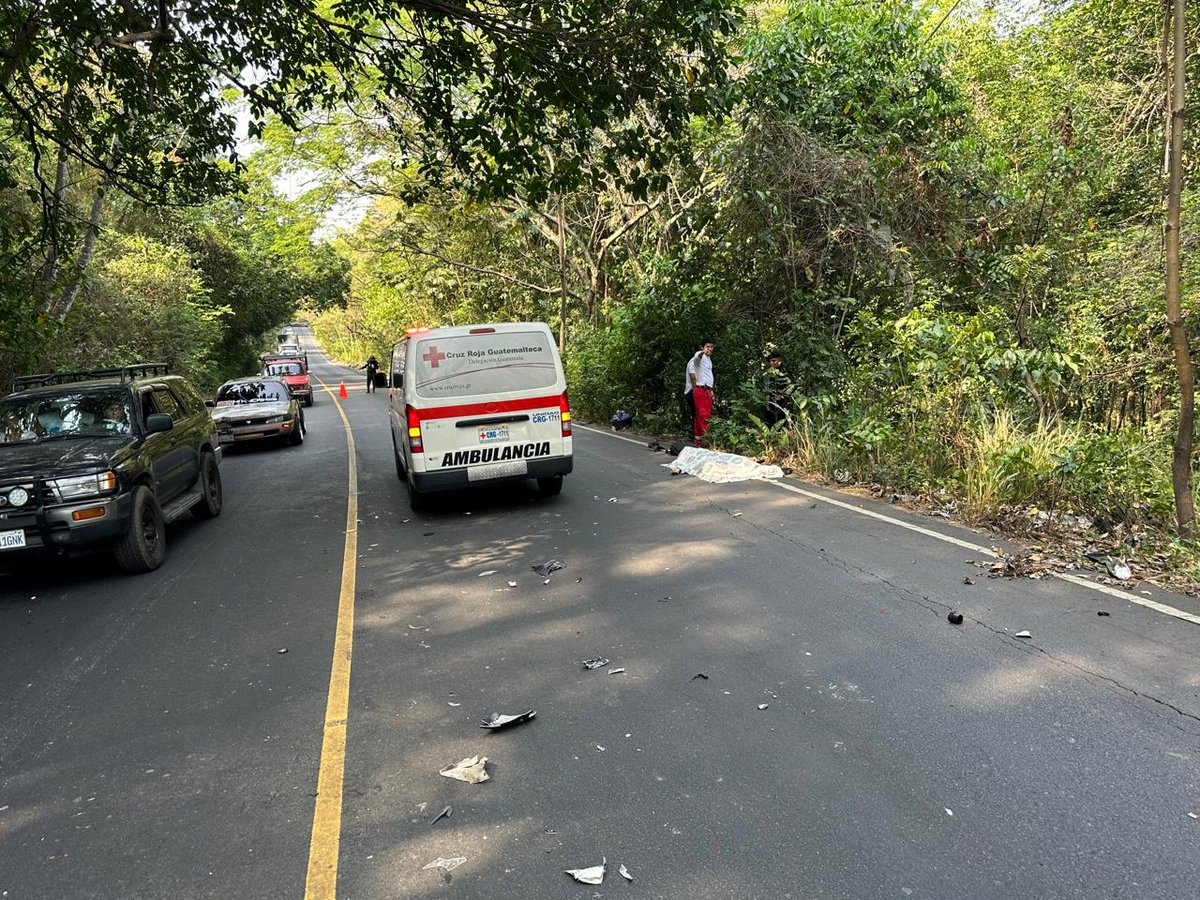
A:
[252,392]
[69,414]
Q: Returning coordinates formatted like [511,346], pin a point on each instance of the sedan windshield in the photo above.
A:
[69,414]
[252,392]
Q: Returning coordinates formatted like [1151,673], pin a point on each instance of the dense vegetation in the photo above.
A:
[947,217]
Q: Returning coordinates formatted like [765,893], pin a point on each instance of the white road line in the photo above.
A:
[949,539]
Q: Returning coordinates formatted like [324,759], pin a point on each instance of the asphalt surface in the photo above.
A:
[154,742]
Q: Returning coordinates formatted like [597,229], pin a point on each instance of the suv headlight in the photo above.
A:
[80,486]
[276,420]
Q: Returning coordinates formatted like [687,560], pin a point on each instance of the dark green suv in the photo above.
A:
[106,457]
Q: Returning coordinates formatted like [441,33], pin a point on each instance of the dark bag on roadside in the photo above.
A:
[620,420]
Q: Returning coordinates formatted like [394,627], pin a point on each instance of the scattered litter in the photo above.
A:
[416,627]
[550,565]
[955,617]
[967,580]
[488,572]
[446,864]
[949,811]
[699,675]
[512,584]
[595,663]
[612,500]
[579,580]
[592,875]
[496,720]
[665,600]
[427,534]
[720,468]
[625,873]
[452,703]
[1119,570]
[472,770]
[444,814]
[1190,815]
[616,671]
[1023,634]
[736,514]
[598,747]
[1103,613]
[547,581]
[763,705]
[620,420]
[281,650]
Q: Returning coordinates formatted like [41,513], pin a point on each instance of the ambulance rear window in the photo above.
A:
[472,364]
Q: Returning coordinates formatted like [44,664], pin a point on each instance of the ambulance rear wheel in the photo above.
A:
[416,500]
[552,486]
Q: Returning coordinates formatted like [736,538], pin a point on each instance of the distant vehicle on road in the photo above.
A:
[479,404]
[253,409]
[106,457]
[287,336]
[290,351]
[293,373]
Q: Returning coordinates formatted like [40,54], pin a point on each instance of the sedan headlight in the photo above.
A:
[276,420]
[80,486]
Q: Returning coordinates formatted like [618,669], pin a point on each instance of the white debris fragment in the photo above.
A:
[472,770]
[949,811]
[616,671]
[1190,815]
[625,873]
[591,875]
[488,572]
[452,703]
[763,705]
[1023,634]
[598,747]
[512,584]
[447,864]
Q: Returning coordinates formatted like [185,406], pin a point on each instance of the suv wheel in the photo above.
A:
[145,544]
[209,506]
[296,438]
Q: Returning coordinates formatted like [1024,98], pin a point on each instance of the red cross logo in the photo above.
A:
[433,357]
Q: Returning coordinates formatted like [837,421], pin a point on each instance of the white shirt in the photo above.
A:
[687,375]
[703,369]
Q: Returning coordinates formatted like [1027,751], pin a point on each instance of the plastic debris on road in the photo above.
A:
[497,720]
[550,565]
[699,675]
[591,875]
[472,770]
[281,650]
[444,814]
[616,671]
[447,864]
[595,663]
[1023,634]
[949,811]
[625,873]
[1119,570]
[488,572]
[763,705]
[721,468]
[955,617]
[1102,612]
[512,584]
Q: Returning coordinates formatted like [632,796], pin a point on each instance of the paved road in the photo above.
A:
[155,744]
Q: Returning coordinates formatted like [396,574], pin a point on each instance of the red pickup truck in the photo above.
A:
[293,372]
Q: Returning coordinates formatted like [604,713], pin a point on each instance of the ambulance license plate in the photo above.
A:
[497,470]
[11,540]
[493,435]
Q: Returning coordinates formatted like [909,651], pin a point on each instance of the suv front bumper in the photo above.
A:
[56,526]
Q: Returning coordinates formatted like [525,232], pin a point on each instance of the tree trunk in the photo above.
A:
[1181,467]
[562,278]
[63,305]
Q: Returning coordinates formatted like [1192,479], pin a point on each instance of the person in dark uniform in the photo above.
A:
[372,366]
[779,386]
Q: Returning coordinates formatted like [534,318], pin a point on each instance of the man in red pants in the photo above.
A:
[700,373]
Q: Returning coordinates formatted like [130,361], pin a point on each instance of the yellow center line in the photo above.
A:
[321,881]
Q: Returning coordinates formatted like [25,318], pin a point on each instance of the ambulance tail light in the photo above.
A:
[564,409]
[415,443]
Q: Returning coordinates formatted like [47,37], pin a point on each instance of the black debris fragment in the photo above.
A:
[967,580]
[1103,612]
[496,720]
[444,814]
[699,675]
[955,617]
[550,565]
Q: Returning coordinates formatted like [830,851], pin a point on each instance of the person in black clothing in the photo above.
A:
[779,386]
[372,366]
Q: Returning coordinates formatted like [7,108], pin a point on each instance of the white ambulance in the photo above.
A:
[479,404]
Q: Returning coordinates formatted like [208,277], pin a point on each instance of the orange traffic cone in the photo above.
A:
[342,391]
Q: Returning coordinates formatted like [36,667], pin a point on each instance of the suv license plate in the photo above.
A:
[11,540]
[497,470]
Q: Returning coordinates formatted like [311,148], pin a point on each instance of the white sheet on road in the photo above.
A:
[721,468]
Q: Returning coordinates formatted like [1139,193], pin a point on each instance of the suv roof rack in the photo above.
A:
[124,373]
